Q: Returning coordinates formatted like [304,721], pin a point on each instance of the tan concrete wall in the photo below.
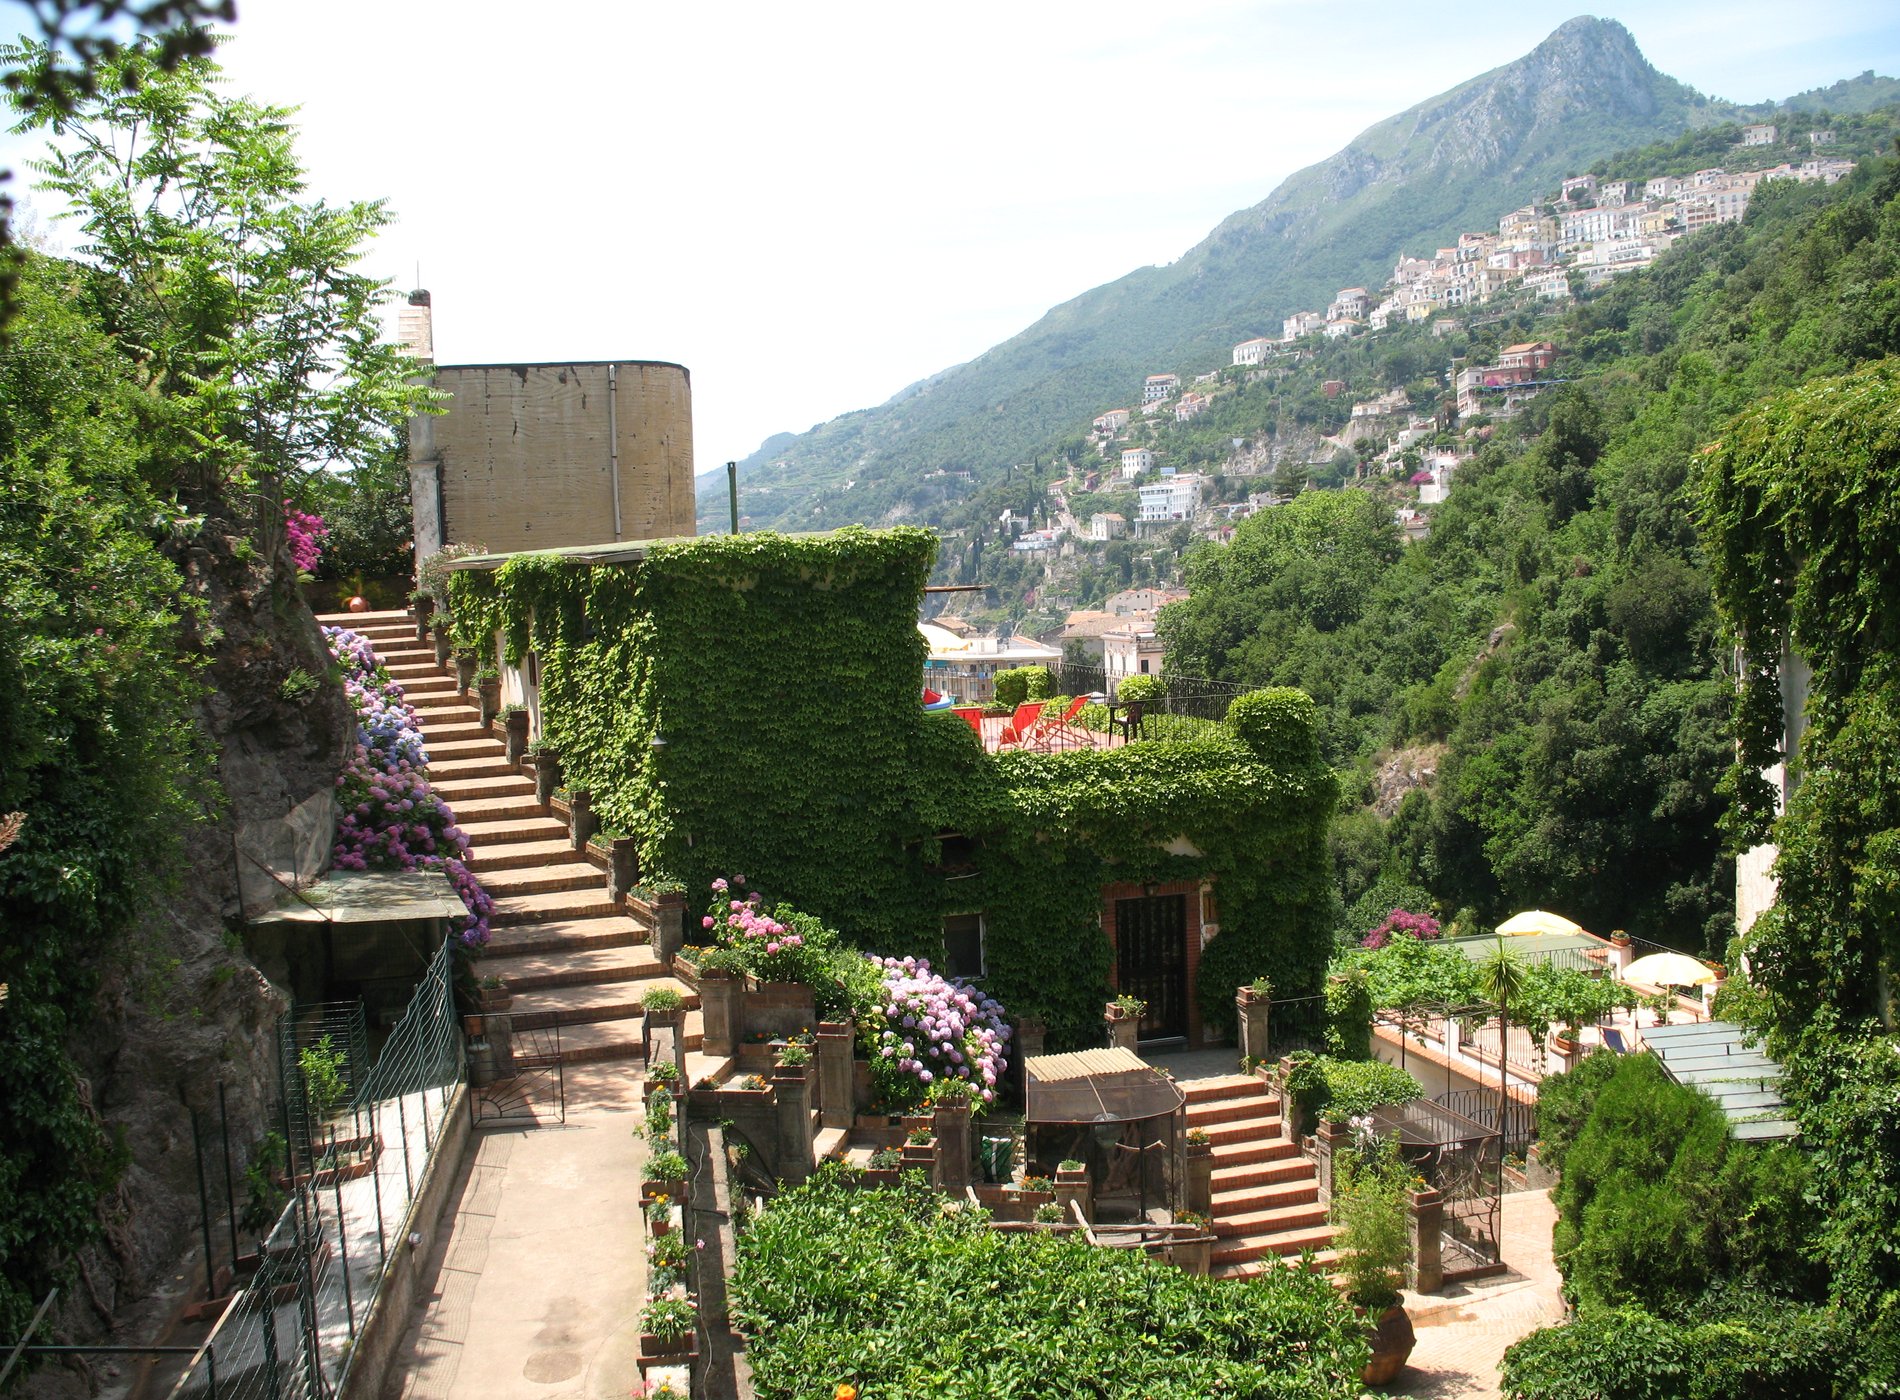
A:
[524,453]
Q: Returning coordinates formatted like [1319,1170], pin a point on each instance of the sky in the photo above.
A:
[812,206]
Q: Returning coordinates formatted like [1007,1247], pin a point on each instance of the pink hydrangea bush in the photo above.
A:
[391,817]
[304,533]
[1401,923]
[931,1027]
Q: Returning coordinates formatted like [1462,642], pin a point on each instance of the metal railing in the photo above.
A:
[1193,696]
[354,1166]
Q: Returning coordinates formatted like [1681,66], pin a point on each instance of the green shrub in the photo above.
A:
[1020,684]
[1349,1015]
[1337,1090]
[1281,725]
[1738,1346]
[1564,1101]
[1657,1199]
[1141,687]
[874,1288]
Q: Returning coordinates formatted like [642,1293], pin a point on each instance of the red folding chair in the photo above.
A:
[1021,724]
[971,715]
[1057,731]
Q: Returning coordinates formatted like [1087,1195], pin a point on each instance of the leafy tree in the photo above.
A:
[262,342]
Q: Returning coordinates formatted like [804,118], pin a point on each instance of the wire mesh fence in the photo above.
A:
[358,1138]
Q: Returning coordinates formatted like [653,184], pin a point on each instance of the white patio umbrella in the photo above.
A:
[1669,970]
[1538,921]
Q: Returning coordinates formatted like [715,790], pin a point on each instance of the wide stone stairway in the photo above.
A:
[571,956]
[1265,1194]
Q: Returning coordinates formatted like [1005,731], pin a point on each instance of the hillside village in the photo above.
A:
[1542,255]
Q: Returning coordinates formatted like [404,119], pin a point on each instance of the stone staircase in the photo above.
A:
[1265,1194]
[571,956]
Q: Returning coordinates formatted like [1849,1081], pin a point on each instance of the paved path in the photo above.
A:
[1463,1336]
[539,1278]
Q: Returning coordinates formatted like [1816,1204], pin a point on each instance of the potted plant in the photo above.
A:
[794,1056]
[488,690]
[882,1170]
[663,1005]
[663,1075]
[1048,1213]
[492,994]
[514,721]
[422,604]
[439,638]
[545,756]
[665,1175]
[1258,990]
[667,1324]
[1125,1008]
[1371,1195]
[465,667]
[659,1213]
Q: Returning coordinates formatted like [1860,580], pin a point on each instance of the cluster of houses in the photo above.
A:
[1598,228]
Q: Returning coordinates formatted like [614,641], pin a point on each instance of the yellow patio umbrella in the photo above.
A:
[1538,921]
[1669,970]
[941,639]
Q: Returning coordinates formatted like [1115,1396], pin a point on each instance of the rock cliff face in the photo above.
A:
[1406,185]
[188,1011]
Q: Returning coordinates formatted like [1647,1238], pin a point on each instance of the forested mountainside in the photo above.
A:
[1413,181]
[1537,696]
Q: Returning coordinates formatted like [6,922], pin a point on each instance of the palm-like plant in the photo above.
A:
[1501,979]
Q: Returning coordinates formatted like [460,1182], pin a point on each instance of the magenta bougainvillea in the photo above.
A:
[392,819]
[1401,923]
[305,533]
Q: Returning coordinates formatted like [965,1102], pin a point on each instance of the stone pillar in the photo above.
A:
[1200,1178]
[1193,1255]
[1425,1270]
[835,1108]
[722,1007]
[1122,1030]
[1075,1186]
[1032,1032]
[1251,1010]
[517,735]
[669,927]
[951,1123]
[1332,1140]
[623,867]
[1622,954]
[581,821]
[662,1029]
[793,1092]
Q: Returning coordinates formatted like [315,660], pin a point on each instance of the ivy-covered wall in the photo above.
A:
[782,673]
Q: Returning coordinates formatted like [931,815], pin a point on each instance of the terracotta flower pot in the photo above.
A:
[1392,1340]
[358,604]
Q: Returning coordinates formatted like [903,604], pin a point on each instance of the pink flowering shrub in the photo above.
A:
[391,817]
[929,1028]
[305,533]
[1400,923]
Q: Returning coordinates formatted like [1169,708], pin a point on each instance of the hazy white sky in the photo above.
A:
[811,206]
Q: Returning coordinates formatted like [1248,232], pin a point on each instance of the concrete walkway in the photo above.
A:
[1463,1336]
[540,1273]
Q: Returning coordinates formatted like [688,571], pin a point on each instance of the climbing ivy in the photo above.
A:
[749,704]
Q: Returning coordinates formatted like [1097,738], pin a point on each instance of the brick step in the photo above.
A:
[416,687]
[1323,1259]
[449,730]
[407,651]
[590,1042]
[476,745]
[573,1005]
[1225,1086]
[571,967]
[494,809]
[495,857]
[1288,1168]
[1249,1153]
[446,705]
[1277,1220]
[385,618]
[497,833]
[481,765]
[1286,1244]
[453,789]
[1235,1208]
[556,936]
[1207,1114]
[1244,1130]
[572,873]
[412,661]
[546,908]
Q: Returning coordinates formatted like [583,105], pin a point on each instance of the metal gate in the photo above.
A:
[1151,961]
[529,1078]
[1463,1161]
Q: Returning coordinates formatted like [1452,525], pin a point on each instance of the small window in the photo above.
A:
[963,944]
[1144,666]
[957,852]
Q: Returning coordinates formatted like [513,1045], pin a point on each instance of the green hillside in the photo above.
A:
[1407,184]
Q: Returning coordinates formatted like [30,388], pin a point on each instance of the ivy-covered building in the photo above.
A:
[748,704]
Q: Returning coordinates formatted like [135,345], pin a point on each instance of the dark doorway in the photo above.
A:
[1151,961]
